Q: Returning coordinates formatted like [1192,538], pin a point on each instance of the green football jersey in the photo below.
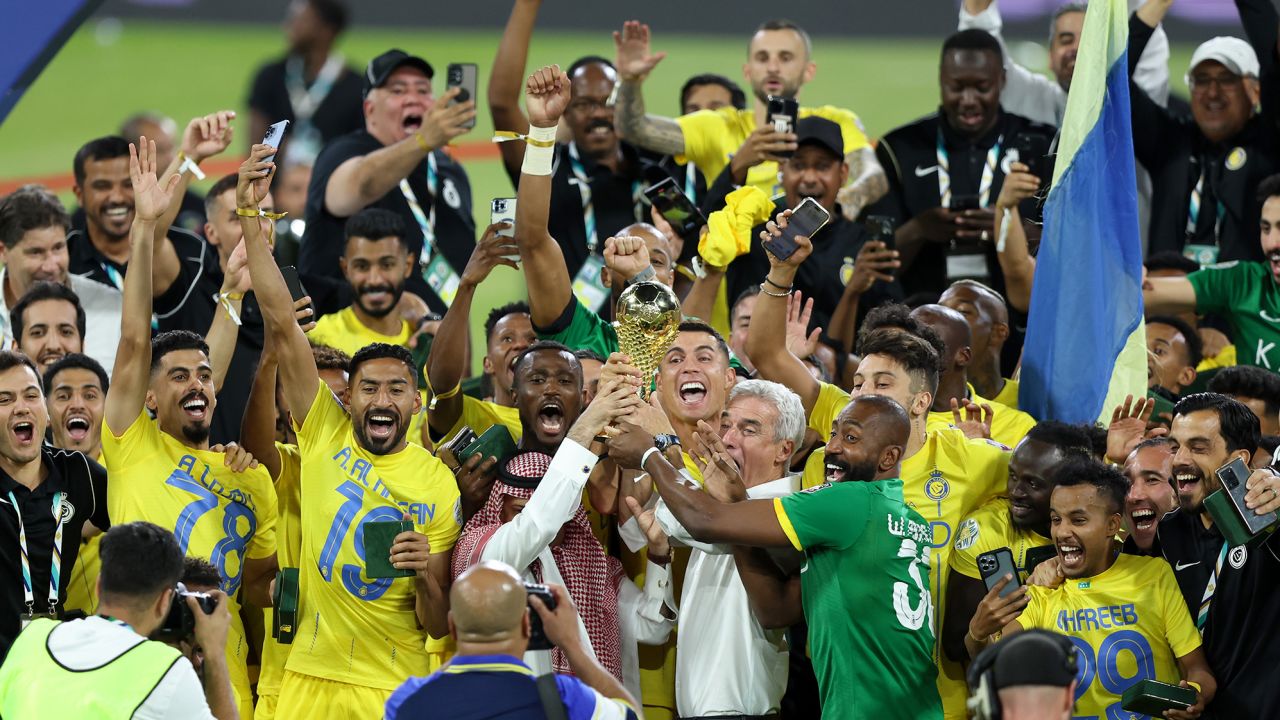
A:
[865,588]
[1247,296]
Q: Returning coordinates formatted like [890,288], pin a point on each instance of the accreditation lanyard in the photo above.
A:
[588,205]
[306,100]
[426,219]
[691,181]
[988,173]
[1202,617]
[1203,255]
[55,564]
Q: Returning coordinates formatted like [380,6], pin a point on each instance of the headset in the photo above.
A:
[984,702]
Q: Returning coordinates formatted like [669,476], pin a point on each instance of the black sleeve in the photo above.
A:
[98,482]
[894,203]
[1153,126]
[262,93]
[1262,27]
[196,257]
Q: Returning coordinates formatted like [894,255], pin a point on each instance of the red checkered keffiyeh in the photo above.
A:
[591,576]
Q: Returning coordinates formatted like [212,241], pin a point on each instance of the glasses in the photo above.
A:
[1202,83]
[588,106]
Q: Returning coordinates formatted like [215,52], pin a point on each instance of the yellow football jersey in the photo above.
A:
[1129,624]
[991,528]
[1008,395]
[354,629]
[1008,426]
[480,415]
[215,513]
[288,547]
[344,331]
[711,137]
[945,481]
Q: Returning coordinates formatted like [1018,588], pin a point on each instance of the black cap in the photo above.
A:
[1032,657]
[820,131]
[381,67]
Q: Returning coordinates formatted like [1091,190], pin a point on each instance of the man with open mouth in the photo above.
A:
[1149,469]
[533,518]
[1121,611]
[1222,585]
[163,469]
[397,162]
[1019,522]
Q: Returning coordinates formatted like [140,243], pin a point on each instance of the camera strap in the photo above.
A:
[549,696]
[55,559]
[1202,617]
[984,185]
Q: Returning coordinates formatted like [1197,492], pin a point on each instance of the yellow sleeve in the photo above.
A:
[975,535]
[785,522]
[703,135]
[815,470]
[263,543]
[141,434]
[324,417]
[854,134]
[831,400]
[1033,615]
[446,525]
[1180,630]
[1009,426]
[987,463]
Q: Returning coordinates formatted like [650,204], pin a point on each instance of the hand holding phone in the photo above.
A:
[294,283]
[676,208]
[464,77]
[806,219]
[782,114]
[273,137]
[994,566]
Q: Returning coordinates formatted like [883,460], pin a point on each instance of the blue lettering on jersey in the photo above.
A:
[358,469]
[187,464]
[422,513]
[1105,617]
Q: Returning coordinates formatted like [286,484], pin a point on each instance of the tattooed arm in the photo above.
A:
[634,63]
[869,182]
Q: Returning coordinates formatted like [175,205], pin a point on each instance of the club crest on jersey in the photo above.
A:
[846,271]
[1238,556]
[66,510]
[968,534]
[937,487]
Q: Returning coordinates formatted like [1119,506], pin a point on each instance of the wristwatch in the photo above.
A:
[662,442]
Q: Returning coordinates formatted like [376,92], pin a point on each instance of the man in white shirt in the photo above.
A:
[534,520]
[727,664]
[33,247]
[104,665]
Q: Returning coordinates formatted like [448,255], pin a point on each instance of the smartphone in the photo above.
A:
[1152,697]
[806,219]
[294,284]
[379,536]
[782,115]
[284,605]
[1233,477]
[1037,555]
[880,227]
[448,452]
[676,208]
[463,75]
[538,639]
[495,442]
[503,210]
[1029,152]
[274,135]
[994,565]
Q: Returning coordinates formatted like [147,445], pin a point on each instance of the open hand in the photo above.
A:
[721,478]
[208,135]
[801,342]
[150,196]
[613,400]
[1128,427]
[975,421]
[634,58]
[659,543]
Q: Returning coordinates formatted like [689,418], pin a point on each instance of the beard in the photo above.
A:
[198,434]
[855,472]
[396,292]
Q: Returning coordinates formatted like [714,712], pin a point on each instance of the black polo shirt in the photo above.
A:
[340,112]
[323,242]
[85,259]
[909,156]
[823,276]
[1240,635]
[85,484]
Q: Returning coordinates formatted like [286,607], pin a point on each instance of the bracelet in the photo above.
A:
[501,136]
[974,638]
[186,164]
[225,300]
[765,291]
[422,142]
[645,457]
[248,212]
[777,285]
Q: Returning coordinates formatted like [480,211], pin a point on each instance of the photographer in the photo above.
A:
[490,619]
[105,663]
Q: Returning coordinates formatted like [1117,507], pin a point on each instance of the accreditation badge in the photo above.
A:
[1203,254]
[588,285]
[442,279]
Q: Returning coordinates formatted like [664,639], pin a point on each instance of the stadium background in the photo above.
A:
[189,57]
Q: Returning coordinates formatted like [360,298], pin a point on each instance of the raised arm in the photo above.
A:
[447,363]
[258,427]
[298,374]
[1152,123]
[771,358]
[133,356]
[545,273]
[225,330]
[1012,252]
[362,180]
[875,262]
[634,63]
[868,183]
[505,79]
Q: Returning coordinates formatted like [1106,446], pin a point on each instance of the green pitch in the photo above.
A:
[110,70]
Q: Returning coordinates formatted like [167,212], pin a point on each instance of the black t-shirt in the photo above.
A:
[324,242]
[1239,636]
[823,276]
[909,156]
[86,261]
[85,484]
[339,113]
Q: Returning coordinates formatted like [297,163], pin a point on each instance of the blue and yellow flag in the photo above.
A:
[1086,346]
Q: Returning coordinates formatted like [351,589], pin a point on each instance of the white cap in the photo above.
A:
[1235,54]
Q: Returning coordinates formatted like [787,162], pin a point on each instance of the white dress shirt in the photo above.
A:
[102,307]
[528,537]
[726,663]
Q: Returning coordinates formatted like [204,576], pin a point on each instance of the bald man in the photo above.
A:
[871,641]
[489,619]
[988,317]
[1007,426]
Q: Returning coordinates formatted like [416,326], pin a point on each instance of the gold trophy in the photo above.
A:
[648,321]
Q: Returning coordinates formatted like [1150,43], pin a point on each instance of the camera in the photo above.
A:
[987,564]
[538,639]
[180,623]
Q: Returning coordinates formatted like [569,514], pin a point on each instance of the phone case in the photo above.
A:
[504,210]
[495,442]
[1036,555]
[1151,697]
[1227,519]
[996,564]
[378,538]
[273,136]
[284,602]
[463,75]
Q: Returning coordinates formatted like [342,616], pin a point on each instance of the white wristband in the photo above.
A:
[645,457]
[538,159]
